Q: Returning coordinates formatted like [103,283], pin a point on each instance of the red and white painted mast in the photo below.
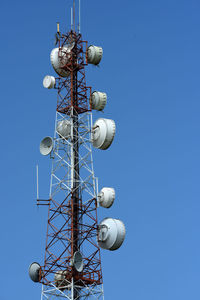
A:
[72,262]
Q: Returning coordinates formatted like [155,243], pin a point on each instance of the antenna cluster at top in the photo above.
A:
[73,14]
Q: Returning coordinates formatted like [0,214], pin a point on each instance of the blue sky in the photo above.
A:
[151,72]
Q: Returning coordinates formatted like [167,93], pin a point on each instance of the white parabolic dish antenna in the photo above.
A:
[60,280]
[46,145]
[49,82]
[94,54]
[111,234]
[78,261]
[34,271]
[98,100]
[64,128]
[58,62]
[103,133]
[106,197]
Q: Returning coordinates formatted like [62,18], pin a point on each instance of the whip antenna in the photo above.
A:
[79,22]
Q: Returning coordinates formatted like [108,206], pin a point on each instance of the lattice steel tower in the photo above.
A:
[72,263]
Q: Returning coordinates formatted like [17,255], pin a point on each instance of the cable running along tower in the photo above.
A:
[72,263]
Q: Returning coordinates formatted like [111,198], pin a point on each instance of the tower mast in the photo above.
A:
[72,263]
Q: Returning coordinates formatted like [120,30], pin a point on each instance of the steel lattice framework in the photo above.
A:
[72,207]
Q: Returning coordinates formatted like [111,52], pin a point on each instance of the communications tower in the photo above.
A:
[72,263]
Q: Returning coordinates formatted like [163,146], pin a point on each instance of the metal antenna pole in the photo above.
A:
[74,14]
[79,16]
[37,182]
[71,18]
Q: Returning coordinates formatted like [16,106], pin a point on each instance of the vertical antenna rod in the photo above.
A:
[37,182]
[79,22]
[58,27]
[74,14]
[71,18]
